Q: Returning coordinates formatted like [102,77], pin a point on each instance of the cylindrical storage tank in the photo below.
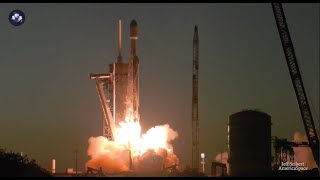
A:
[249,143]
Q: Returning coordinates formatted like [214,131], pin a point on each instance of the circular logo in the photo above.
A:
[16,17]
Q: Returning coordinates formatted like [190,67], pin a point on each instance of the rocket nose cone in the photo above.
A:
[133,23]
[133,28]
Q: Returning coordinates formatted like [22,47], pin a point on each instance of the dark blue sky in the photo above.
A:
[48,104]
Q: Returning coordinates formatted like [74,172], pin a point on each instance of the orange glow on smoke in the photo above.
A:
[150,152]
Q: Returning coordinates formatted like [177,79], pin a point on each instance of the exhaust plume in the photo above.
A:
[150,152]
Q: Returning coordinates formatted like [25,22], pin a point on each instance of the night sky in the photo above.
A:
[49,106]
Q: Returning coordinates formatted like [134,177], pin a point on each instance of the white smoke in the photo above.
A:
[223,158]
[303,154]
[109,155]
[114,157]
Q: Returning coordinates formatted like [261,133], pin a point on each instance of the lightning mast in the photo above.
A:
[195,118]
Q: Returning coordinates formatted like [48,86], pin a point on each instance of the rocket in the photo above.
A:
[133,71]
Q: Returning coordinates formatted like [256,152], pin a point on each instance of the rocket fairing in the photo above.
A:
[133,72]
[133,37]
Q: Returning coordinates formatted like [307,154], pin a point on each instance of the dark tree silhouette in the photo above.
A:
[14,165]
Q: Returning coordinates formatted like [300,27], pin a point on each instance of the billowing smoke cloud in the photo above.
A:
[154,161]
[150,153]
[109,155]
[223,158]
[303,154]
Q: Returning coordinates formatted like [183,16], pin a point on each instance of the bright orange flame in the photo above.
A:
[154,144]
[129,135]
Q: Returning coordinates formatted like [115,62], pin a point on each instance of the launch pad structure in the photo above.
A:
[118,89]
[118,92]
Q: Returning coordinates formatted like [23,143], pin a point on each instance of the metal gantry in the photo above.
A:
[107,80]
[284,151]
